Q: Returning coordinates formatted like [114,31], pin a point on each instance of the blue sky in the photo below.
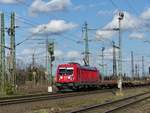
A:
[64,19]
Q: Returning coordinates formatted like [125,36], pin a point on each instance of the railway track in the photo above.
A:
[45,96]
[112,106]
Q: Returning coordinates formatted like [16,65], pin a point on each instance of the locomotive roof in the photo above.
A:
[69,64]
[88,67]
[82,67]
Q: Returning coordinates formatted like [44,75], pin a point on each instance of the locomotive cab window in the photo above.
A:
[69,71]
[65,71]
[62,71]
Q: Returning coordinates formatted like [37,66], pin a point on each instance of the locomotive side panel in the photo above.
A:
[88,76]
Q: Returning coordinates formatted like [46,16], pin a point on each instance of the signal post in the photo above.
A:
[51,59]
[120,80]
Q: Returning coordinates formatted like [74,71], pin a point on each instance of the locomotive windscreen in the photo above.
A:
[65,71]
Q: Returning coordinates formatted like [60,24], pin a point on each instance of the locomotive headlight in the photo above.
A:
[60,77]
[69,77]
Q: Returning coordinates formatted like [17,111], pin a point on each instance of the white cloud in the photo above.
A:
[129,22]
[67,56]
[79,7]
[104,34]
[136,35]
[73,54]
[145,17]
[27,51]
[53,27]
[39,6]
[70,56]
[10,1]
[26,55]
[108,53]
[146,14]
[58,53]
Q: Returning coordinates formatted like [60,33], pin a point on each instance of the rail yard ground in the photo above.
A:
[67,104]
[141,107]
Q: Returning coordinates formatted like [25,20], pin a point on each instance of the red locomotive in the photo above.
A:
[74,76]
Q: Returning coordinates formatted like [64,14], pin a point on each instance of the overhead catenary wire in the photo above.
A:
[23,20]
[114,4]
[131,7]
[23,3]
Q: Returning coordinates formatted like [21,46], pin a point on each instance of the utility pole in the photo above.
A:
[51,59]
[8,59]
[13,49]
[86,52]
[138,68]
[103,62]
[1,86]
[136,71]
[143,71]
[2,51]
[47,70]
[114,60]
[33,67]
[121,15]
[132,64]
[149,70]
[33,59]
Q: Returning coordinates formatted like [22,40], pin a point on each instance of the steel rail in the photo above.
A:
[127,104]
[23,96]
[45,96]
[101,106]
